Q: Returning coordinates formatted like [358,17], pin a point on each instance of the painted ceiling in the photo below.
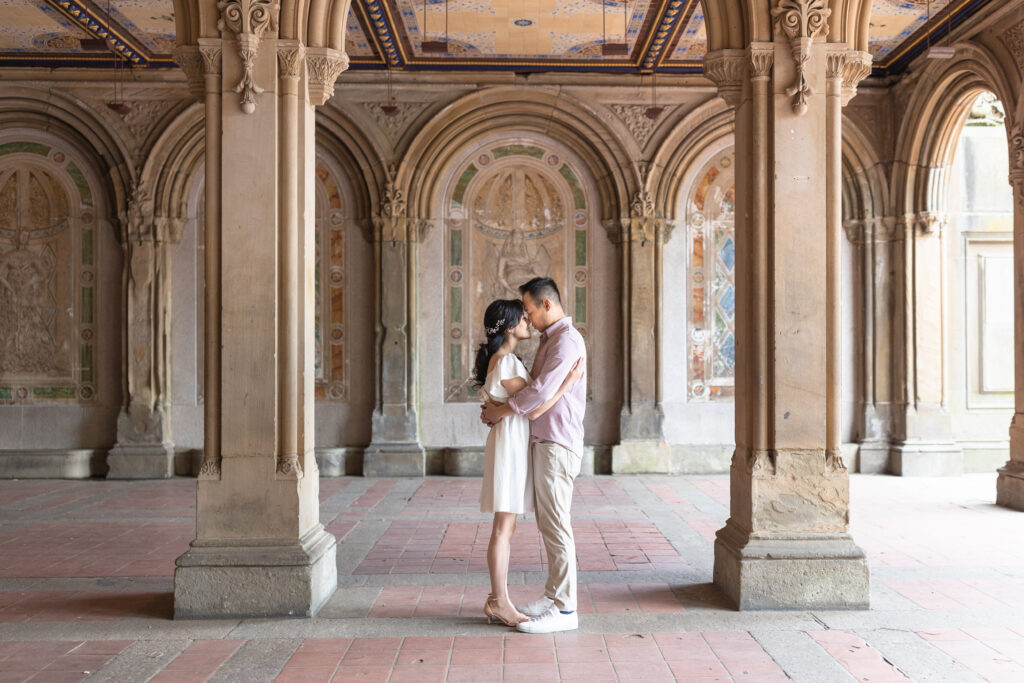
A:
[520,35]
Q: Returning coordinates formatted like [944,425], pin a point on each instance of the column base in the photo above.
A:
[225,579]
[1010,486]
[141,461]
[641,457]
[791,573]
[924,459]
[402,459]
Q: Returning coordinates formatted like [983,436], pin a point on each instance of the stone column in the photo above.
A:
[145,448]
[872,239]
[642,446]
[260,549]
[923,433]
[787,543]
[395,449]
[1010,484]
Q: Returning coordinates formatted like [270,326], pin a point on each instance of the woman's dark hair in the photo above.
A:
[499,319]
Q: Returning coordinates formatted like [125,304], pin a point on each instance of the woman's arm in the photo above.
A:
[513,384]
[574,374]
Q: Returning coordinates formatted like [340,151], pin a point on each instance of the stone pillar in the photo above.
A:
[923,433]
[395,449]
[787,543]
[145,448]
[1010,484]
[260,549]
[872,241]
[642,446]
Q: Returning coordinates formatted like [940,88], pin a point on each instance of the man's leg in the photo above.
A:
[554,469]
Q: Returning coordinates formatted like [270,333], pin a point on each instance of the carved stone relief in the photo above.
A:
[248,20]
[394,126]
[639,124]
[1013,38]
[801,21]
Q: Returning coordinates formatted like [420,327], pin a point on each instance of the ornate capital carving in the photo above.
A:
[726,69]
[642,205]
[762,59]
[323,66]
[289,60]
[856,67]
[393,201]
[930,222]
[801,21]
[210,51]
[248,20]
[191,62]
[137,216]
[855,230]
[835,60]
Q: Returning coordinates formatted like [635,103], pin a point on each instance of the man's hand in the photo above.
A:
[492,413]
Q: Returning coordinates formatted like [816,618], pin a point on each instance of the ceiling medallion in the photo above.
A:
[523,22]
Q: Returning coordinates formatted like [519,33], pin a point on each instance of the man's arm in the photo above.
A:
[545,385]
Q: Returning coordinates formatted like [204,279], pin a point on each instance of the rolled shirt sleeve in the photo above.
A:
[557,364]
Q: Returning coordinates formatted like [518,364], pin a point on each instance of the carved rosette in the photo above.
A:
[726,69]
[324,65]
[191,62]
[248,20]
[801,21]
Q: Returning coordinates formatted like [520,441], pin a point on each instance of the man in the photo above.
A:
[556,450]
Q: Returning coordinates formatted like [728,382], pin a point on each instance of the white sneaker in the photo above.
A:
[537,607]
[549,622]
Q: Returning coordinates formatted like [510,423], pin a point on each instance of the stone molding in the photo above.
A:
[801,21]
[856,67]
[248,20]
[290,60]
[726,69]
[324,65]
[1013,39]
[762,59]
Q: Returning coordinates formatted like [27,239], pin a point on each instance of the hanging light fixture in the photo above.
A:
[118,105]
[435,46]
[389,109]
[654,111]
[946,51]
[614,49]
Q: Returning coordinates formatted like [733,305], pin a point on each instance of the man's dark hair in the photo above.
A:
[540,288]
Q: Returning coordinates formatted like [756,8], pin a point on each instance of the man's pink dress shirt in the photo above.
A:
[560,346]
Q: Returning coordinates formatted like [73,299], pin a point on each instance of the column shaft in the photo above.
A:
[1010,484]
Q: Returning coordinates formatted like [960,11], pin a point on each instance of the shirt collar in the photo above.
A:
[557,326]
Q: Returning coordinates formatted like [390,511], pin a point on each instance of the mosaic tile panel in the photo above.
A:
[710,220]
[515,212]
[48,269]
[329,287]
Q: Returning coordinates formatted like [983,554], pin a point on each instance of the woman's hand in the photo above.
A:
[575,372]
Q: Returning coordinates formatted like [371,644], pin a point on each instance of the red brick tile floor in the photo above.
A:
[86,589]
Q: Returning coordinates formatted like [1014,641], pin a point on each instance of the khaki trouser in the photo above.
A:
[554,469]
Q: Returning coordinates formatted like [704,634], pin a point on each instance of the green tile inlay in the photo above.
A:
[460,187]
[53,392]
[455,362]
[581,305]
[83,187]
[455,302]
[518,150]
[87,247]
[30,147]
[86,357]
[6,393]
[581,247]
[87,305]
[455,256]
[577,192]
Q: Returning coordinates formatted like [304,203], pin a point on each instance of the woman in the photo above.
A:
[508,482]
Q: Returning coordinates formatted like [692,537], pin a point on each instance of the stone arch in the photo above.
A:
[174,164]
[865,181]
[362,163]
[552,114]
[931,125]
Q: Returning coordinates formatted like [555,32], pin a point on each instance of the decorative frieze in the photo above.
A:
[801,21]
[248,20]
[324,65]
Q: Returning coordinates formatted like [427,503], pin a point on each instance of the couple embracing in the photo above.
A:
[534,448]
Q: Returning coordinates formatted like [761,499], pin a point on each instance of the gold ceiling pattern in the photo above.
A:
[520,35]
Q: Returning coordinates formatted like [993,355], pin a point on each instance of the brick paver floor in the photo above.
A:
[86,589]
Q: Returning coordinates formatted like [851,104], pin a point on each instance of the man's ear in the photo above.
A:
[547,304]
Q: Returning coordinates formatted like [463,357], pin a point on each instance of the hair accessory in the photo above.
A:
[497,326]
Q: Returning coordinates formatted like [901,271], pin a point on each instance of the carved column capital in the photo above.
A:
[248,20]
[324,65]
[191,62]
[726,69]
[210,50]
[137,217]
[930,222]
[762,59]
[855,230]
[856,67]
[290,62]
[801,21]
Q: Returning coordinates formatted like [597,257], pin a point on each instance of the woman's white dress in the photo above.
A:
[508,475]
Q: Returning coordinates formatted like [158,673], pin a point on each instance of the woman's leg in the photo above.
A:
[498,550]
